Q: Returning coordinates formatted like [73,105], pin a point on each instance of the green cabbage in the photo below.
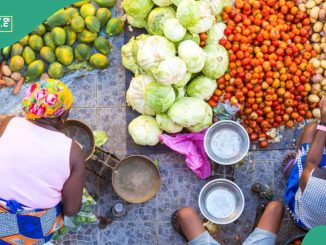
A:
[138,43]
[166,124]
[216,6]
[135,94]
[100,137]
[128,61]
[179,92]
[205,123]
[152,51]
[189,112]
[206,20]
[156,19]
[162,3]
[158,97]
[137,8]
[188,13]
[138,22]
[173,30]
[184,81]
[176,2]
[216,61]
[190,36]
[144,130]
[201,87]
[215,33]
[192,55]
[170,71]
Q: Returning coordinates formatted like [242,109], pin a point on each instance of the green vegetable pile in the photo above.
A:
[174,75]
[66,38]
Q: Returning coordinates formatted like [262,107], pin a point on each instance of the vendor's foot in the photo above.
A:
[187,223]
[288,163]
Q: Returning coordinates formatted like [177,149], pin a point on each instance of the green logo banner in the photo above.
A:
[19,17]
[316,236]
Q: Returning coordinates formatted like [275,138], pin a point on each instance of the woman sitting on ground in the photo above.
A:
[305,193]
[41,170]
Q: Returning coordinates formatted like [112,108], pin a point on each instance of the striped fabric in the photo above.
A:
[28,227]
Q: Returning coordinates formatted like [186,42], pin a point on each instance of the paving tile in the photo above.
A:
[85,235]
[167,235]
[87,115]
[111,86]
[113,120]
[84,90]
[129,233]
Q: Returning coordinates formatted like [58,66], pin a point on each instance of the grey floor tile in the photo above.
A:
[113,121]
[167,235]
[124,233]
[87,115]
[84,91]
[85,234]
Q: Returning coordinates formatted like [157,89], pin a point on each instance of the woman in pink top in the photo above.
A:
[42,171]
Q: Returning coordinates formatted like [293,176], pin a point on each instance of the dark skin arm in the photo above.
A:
[316,151]
[73,188]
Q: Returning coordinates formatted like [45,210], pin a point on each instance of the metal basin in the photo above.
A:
[221,201]
[226,142]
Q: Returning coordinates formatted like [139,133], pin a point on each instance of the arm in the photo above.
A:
[316,151]
[73,188]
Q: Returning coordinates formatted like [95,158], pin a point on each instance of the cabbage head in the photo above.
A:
[216,61]
[162,3]
[138,43]
[184,81]
[190,36]
[215,33]
[206,20]
[158,97]
[156,19]
[205,123]
[166,124]
[137,8]
[144,130]
[173,30]
[138,22]
[170,71]
[188,13]
[152,51]
[192,55]
[176,2]
[128,61]
[179,92]
[135,94]
[216,6]
[189,112]
[201,87]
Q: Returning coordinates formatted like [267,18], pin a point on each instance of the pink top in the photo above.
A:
[34,164]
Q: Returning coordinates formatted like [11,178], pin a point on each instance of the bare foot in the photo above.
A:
[288,163]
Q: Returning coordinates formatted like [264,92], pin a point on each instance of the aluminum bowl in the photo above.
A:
[226,142]
[221,201]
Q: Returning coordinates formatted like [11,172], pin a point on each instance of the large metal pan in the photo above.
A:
[136,179]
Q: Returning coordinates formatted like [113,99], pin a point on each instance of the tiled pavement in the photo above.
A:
[99,101]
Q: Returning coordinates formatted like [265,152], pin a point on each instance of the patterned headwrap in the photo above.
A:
[47,99]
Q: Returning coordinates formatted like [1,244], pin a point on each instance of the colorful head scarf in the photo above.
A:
[47,99]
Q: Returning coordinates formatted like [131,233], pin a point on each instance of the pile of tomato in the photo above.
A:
[269,75]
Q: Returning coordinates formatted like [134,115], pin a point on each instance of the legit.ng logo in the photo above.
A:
[6,23]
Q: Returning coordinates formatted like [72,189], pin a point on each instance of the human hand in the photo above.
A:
[323,110]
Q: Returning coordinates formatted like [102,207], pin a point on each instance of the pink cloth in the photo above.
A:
[34,164]
[192,146]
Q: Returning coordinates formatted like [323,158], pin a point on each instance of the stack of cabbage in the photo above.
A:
[173,74]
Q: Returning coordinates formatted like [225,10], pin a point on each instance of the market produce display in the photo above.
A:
[270,67]
[175,74]
[72,38]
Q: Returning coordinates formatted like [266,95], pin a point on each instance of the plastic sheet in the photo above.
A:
[191,145]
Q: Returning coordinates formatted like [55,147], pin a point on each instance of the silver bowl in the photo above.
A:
[226,142]
[221,201]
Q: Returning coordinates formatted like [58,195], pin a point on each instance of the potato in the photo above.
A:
[302,7]
[315,62]
[319,70]
[323,82]
[321,94]
[322,15]
[317,2]
[16,76]
[315,88]
[317,48]
[323,63]
[317,78]
[313,98]
[44,76]
[10,81]
[324,88]
[310,4]
[6,71]
[316,112]
[318,26]
[315,37]
[314,12]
